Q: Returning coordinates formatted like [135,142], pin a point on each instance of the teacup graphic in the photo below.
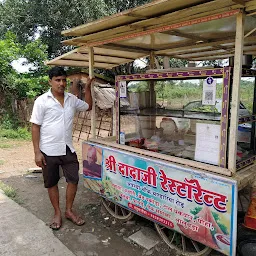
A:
[223,242]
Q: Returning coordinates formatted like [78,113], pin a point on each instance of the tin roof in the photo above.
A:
[194,30]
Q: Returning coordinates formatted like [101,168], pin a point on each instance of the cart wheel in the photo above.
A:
[182,244]
[117,211]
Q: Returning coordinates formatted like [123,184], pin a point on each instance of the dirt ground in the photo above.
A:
[101,235]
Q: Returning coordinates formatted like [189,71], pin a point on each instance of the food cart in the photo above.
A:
[140,171]
[177,166]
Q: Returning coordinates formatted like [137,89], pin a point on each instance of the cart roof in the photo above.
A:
[194,30]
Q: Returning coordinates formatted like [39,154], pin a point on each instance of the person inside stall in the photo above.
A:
[90,166]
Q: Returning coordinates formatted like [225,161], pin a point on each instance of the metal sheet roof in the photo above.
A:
[193,30]
[103,57]
[144,12]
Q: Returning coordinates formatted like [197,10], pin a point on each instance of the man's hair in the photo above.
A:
[56,71]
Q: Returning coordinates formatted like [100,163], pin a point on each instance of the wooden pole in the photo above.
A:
[152,118]
[152,60]
[152,83]
[253,132]
[234,118]
[91,75]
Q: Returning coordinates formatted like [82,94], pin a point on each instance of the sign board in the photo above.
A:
[207,143]
[200,205]
[209,91]
[123,89]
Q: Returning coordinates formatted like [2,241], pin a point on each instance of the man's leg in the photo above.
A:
[70,196]
[54,198]
[51,178]
[70,167]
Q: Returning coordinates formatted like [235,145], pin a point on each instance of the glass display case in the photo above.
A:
[186,114]
[246,147]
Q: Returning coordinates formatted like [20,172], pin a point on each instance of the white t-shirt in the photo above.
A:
[56,122]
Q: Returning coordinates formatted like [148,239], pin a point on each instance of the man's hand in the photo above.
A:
[40,160]
[39,157]
[89,82]
[87,92]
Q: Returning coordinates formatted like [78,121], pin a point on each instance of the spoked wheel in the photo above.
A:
[117,211]
[182,244]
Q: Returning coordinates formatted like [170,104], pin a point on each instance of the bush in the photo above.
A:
[10,192]
[20,133]
[9,121]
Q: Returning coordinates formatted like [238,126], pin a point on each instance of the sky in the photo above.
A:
[19,67]
[141,63]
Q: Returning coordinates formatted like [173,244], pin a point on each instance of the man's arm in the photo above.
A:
[88,95]
[39,157]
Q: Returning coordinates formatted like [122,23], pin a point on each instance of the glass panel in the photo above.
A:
[164,120]
[246,138]
[244,149]
[246,96]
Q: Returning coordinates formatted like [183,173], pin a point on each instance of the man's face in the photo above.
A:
[91,157]
[58,84]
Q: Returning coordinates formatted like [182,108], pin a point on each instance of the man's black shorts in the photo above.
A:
[69,164]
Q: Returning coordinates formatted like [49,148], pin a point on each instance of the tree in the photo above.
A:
[115,6]
[14,86]
[9,51]
[47,18]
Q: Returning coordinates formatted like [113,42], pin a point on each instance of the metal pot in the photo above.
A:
[246,61]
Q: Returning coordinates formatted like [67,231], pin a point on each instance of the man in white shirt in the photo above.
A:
[52,121]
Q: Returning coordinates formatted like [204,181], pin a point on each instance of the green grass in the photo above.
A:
[10,192]
[5,145]
[20,133]
[1,162]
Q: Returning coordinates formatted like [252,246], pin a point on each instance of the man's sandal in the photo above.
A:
[77,220]
[55,225]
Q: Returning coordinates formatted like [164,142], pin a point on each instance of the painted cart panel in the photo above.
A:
[199,205]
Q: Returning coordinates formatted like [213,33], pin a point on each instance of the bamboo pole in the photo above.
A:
[236,92]
[152,118]
[91,75]
[152,83]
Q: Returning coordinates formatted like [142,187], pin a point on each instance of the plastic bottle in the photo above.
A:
[122,138]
